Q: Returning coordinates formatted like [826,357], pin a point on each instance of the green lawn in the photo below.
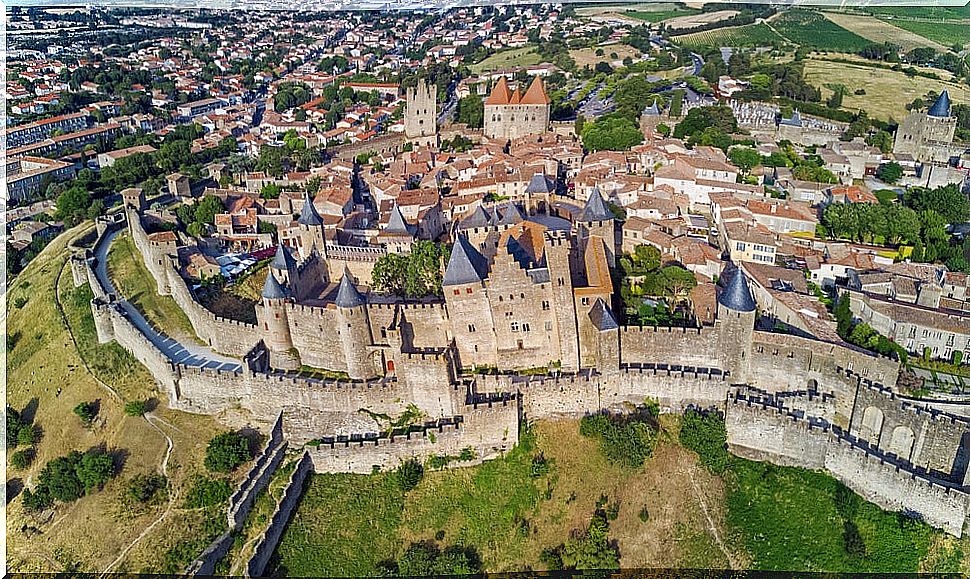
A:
[135,282]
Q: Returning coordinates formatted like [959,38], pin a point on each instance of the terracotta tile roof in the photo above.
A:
[500,94]
[536,95]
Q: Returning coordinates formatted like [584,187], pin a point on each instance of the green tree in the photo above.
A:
[891,172]
[207,209]
[226,452]
[409,474]
[471,111]
[611,133]
[136,407]
[95,469]
[143,487]
[744,158]
[705,434]
[21,459]
[86,411]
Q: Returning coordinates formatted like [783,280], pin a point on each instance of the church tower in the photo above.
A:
[421,114]
[736,311]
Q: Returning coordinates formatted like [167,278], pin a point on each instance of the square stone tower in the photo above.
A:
[421,114]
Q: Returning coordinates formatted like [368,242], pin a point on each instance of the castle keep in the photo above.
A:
[928,136]
[511,114]
[521,293]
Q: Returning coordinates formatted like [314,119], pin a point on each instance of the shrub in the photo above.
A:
[136,408]
[38,499]
[21,459]
[207,492]
[19,302]
[13,426]
[705,434]
[426,559]
[624,439]
[143,487]
[86,411]
[409,474]
[226,451]
[27,434]
[644,514]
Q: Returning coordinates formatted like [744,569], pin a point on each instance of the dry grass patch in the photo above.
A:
[46,372]
[876,30]
[887,91]
[692,20]
[584,56]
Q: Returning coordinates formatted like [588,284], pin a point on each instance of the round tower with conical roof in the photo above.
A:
[736,311]
[272,316]
[597,219]
[312,236]
[353,328]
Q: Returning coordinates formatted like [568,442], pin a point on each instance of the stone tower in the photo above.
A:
[928,136]
[354,329]
[284,266]
[511,114]
[557,252]
[312,236]
[421,114]
[597,219]
[468,307]
[272,317]
[736,311]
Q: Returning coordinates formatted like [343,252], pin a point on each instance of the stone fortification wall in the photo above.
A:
[425,324]
[266,543]
[688,346]
[222,334]
[313,330]
[788,362]
[242,501]
[489,429]
[761,431]
[924,436]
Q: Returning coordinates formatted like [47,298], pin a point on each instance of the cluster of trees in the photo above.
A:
[294,153]
[770,80]
[652,280]
[427,559]
[636,93]
[590,548]
[921,221]
[626,439]
[415,275]
[197,218]
[862,334]
[68,478]
[712,126]
[612,132]
[20,432]
[291,94]
[471,111]
[226,451]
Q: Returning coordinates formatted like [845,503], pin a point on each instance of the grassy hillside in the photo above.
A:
[748,515]
[48,375]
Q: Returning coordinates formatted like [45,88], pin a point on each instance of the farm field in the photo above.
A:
[878,30]
[584,56]
[657,15]
[945,33]
[525,56]
[811,29]
[932,13]
[46,372]
[692,20]
[887,91]
[734,36]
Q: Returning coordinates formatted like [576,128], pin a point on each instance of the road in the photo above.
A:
[698,63]
[189,354]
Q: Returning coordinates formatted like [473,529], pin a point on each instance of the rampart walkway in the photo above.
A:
[189,354]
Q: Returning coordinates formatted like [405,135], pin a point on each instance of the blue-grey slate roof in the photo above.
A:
[602,317]
[466,264]
[737,296]
[596,208]
[283,260]
[348,296]
[941,108]
[272,290]
[308,213]
[480,217]
[511,215]
[539,184]
[397,224]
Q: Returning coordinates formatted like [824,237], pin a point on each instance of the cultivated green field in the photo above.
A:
[659,15]
[734,36]
[811,29]
[946,33]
